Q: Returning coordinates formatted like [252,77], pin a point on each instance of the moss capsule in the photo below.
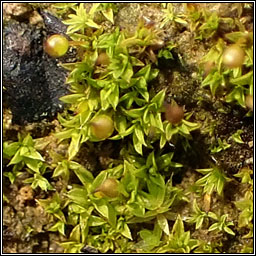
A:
[56,46]
[233,56]
[249,102]
[208,66]
[102,126]
[108,188]
[174,113]
[158,45]
[102,59]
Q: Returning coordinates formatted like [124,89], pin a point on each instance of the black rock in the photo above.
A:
[90,250]
[32,80]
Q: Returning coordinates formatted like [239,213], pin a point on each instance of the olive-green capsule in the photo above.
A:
[56,46]
[108,188]
[102,126]
[103,59]
[233,56]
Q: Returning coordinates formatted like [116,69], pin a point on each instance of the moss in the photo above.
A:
[160,168]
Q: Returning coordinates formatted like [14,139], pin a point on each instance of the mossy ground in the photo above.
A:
[26,223]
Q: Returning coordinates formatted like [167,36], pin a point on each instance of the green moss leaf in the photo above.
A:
[139,134]
[113,98]
[79,196]
[10,149]
[16,159]
[98,180]
[84,175]
[158,99]
[137,144]
[106,210]
[58,226]
[163,223]
[126,231]
[72,98]
[74,145]
[33,164]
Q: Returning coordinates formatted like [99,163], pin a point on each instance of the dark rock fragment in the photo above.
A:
[32,81]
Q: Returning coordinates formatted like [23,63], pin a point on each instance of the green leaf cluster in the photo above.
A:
[245,175]
[205,23]
[214,180]
[230,84]
[176,241]
[170,17]
[199,217]
[209,25]
[80,18]
[222,145]
[179,241]
[236,136]
[245,205]
[103,222]
[22,154]
[119,89]
[113,77]
[222,224]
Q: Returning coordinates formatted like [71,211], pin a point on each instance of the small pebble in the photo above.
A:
[249,161]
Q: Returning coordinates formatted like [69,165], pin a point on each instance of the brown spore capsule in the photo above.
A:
[208,67]
[249,102]
[174,113]
[233,56]
[102,59]
[159,44]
